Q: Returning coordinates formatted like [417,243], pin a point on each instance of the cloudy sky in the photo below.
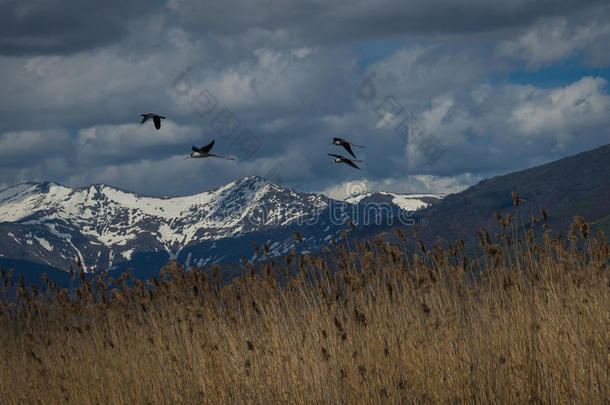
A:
[442,94]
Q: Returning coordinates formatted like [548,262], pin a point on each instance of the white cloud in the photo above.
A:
[556,39]
[566,110]
[411,184]
[509,127]
[417,73]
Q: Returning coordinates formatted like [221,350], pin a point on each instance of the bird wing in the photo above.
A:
[207,147]
[157,121]
[144,118]
[349,149]
[195,149]
[349,162]
[337,156]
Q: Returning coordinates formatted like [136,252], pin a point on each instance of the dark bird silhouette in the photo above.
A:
[204,152]
[343,159]
[347,145]
[156,119]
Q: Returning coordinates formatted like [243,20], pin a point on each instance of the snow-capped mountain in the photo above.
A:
[407,202]
[105,227]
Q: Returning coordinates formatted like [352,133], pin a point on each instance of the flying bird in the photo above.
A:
[204,152]
[347,145]
[343,159]
[156,119]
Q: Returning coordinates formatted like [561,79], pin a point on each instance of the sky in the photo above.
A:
[442,94]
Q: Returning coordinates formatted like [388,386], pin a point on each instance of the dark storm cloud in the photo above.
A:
[30,27]
[315,22]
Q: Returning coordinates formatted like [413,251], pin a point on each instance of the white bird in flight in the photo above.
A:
[347,145]
[204,152]
[343,159]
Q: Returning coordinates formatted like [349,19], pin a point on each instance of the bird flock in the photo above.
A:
[348,147]
[204,151]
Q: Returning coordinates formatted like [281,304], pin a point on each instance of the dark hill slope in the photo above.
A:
[576,185]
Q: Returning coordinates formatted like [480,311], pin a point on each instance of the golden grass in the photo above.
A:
[525,323]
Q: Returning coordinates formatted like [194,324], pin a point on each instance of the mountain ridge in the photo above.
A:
[101,225]
[574,185]
[218,225]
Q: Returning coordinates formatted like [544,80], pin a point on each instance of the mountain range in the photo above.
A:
[46,227]
[49,226]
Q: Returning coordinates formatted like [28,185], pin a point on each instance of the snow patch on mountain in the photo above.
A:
[45,244]
[407,202]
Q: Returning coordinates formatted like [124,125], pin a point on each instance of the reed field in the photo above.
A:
[524,317]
